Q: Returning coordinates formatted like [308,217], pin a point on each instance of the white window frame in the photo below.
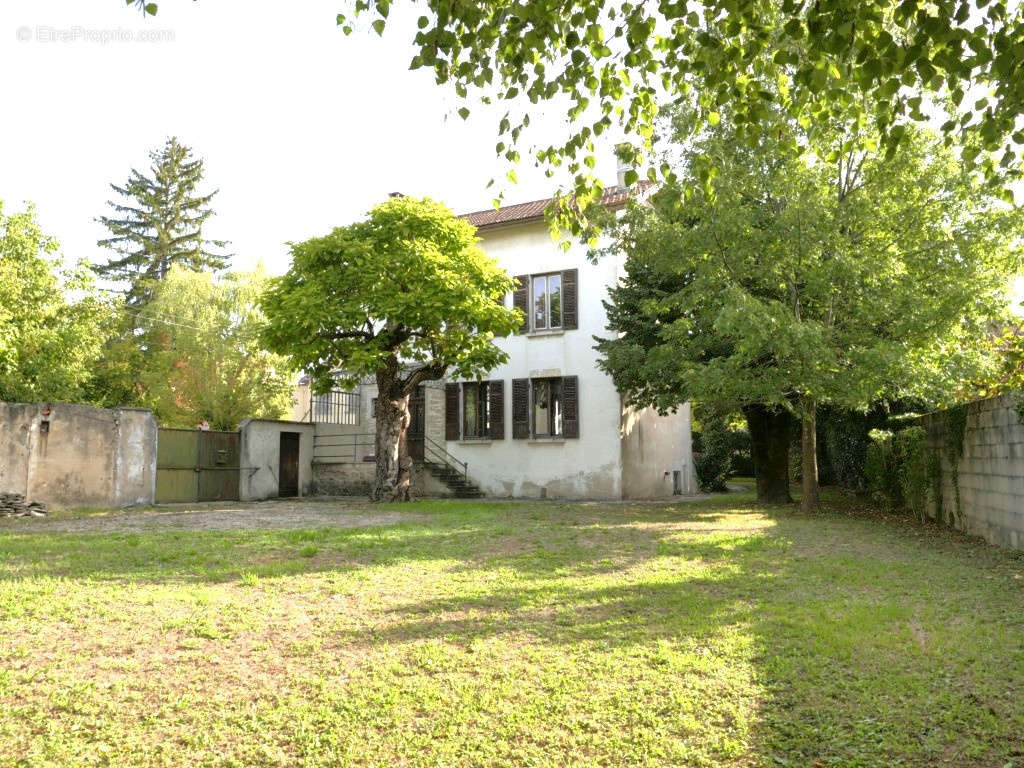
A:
[547,302]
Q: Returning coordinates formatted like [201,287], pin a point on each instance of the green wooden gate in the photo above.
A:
[196,466]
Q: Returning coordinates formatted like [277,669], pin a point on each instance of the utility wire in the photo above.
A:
[149,314]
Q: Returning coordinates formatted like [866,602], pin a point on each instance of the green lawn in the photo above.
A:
[712,633]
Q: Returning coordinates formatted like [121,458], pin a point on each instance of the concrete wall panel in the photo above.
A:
[77,455]
[260,457]
[990,473]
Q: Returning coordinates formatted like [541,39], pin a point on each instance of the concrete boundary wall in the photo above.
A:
[990,474]
[77,455]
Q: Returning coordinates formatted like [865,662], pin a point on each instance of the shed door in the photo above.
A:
[288,484]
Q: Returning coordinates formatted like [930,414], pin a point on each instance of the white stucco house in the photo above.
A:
[548,423]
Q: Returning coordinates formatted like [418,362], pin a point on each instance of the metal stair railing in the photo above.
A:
[344,448]
[436,453]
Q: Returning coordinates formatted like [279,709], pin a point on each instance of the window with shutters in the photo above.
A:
[475,410]
[548,301]
[545,408]
[476,421]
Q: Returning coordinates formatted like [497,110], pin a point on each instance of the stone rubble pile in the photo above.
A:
[15,505]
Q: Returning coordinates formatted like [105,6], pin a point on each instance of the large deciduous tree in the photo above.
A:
[51,322]
[791,281]
[405,296]
[613,62]
[203,358]
[158,223]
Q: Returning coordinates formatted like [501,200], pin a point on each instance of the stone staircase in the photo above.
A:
[460,485]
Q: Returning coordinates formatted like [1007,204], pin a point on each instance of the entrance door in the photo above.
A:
[288,473]
[417,424]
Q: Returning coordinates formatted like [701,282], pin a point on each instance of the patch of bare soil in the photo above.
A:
[320,512]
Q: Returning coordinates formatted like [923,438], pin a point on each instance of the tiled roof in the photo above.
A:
[613,197]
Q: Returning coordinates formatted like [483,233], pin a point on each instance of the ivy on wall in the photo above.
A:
[897,469]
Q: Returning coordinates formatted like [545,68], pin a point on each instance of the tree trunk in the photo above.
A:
[809,445]
[394,465]
[770,436]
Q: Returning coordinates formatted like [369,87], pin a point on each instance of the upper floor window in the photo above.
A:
[548,301]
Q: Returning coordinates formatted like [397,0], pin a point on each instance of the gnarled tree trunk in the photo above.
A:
[809,445]
[771,432]
[394,465]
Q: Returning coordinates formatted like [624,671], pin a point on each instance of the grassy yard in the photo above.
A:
[702,634]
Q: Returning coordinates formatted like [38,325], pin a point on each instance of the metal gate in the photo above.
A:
[192,465]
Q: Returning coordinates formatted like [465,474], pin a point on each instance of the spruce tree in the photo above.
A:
[159,223]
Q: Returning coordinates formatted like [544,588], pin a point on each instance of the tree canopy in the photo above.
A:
[51,322]
[157,223]
[614,62]
[791,282]
[405,296]
[203,358]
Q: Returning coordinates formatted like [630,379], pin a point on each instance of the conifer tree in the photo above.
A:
[159,223]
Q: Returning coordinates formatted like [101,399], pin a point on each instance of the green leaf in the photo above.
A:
[378,26]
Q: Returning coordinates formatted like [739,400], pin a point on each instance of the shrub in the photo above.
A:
[742,454]
[898,470]
[712,455]
[844,437]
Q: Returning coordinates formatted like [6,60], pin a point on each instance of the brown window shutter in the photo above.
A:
[451,412]
[520,409]
[521,300]
[496,408]
[570,406]
[570,299]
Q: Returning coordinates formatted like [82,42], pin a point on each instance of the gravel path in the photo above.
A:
[316,512]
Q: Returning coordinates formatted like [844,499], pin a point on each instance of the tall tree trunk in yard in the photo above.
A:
[771,433]
[394,466]
[809,444]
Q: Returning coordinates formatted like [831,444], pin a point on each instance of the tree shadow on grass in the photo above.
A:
[873,642]
[862,641]
[588,538]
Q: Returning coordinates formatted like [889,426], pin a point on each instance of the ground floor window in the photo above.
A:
[547,408]
[476,421]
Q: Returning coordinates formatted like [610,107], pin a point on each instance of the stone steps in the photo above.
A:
[460,486]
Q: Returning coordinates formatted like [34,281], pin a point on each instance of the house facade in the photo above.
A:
[546,424]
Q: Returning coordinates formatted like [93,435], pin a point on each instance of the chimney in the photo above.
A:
[620,172]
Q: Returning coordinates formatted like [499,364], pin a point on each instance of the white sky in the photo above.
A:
[302,128]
